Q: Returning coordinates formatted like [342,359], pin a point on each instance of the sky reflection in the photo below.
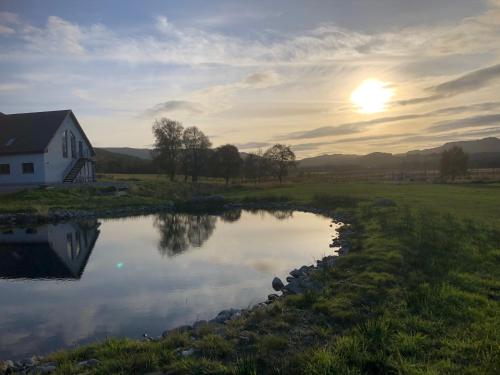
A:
[146,274]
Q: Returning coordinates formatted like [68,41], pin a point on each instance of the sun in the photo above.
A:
[371,96]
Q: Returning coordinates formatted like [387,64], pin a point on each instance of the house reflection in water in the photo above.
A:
[47,252]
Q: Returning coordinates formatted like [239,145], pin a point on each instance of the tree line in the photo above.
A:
[188,152]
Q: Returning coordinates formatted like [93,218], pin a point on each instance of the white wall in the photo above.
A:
[55,164]
[71,252]
[16,169]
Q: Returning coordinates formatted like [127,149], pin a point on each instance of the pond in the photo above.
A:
[72,283]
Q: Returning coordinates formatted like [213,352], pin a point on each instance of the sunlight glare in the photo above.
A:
[371,96]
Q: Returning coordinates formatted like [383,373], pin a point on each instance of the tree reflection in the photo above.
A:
[281,214]
[231,216]
[180,232]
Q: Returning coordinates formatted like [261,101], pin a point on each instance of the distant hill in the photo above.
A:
[491,144]
[483,153]
[112,162]
[142,153]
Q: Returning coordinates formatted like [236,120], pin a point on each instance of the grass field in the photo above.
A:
[419,293]
[473,200]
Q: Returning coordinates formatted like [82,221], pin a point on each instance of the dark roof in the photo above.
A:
[31,133]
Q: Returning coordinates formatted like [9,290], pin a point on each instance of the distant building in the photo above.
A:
[44,148]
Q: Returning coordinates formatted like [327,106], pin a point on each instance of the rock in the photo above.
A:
[295,273]
[89,363]
[277,284]
[236,315]
[187,353]
[225,315]
[6,366]
[304,270]
[146,337]
[294,287]
[289,278]
[273,297]
[30,362]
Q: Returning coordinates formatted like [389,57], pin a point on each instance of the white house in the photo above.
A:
[44,148]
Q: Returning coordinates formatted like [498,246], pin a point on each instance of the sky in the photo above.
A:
[324,76]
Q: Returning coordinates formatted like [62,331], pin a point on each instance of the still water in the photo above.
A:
[73,283]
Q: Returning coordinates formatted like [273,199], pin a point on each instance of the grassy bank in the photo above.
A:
[419,293]
[473,201]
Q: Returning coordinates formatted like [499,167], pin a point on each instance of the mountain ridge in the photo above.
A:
[481,151]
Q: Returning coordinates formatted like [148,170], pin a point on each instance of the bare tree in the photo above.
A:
[168,144]
[196,145]
[227,162]
[453,163]
[280,158]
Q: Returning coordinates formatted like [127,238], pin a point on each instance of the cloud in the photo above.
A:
[308,146]
[479,107]
[468,122]
[262,79]
[173,106]
[358,126]
[352,127]
[466,83]
[447,137]
[9,18]
[252,145]
[10,87]
[469,82]
[325,131]
[5,30]
[369,138]
[325,44]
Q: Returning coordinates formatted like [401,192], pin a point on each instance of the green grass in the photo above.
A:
[419,293]
[477,201]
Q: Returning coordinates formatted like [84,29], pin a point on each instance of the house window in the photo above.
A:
[65,144]
[69,245]
[28,168]
[4,168]
[73,145]
[78,241]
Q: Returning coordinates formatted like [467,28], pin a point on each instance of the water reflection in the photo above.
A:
[231,216]
[47,252]
[180,232]
[79,282]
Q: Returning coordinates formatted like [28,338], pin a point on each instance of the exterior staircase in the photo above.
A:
[75,169]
